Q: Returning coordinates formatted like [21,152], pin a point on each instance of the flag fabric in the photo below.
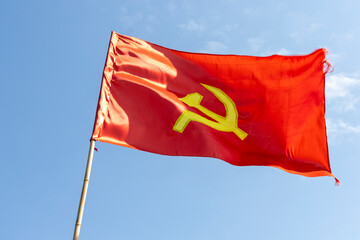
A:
[245,110]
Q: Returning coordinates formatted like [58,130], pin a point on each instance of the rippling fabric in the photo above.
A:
[149,94]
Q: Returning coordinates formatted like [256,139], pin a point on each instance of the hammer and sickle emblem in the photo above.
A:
[224,124]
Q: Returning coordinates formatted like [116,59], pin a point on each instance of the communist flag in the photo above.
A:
[245,110]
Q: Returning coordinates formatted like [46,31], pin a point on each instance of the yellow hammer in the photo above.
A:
[220,123]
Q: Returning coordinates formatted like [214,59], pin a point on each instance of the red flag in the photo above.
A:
[245,110]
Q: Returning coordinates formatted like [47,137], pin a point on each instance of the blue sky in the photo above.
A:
[52,57]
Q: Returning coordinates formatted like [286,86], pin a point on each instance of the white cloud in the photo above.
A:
[338,90]
[333,58]
[283,51]
[171,6]
[223,31]
[214,47]
[314,26]
[255,43]
[342,37]
[137,19]
[230,27]
[340,127]
[303,26]
[187,6]
[150,18]
[192,26]
[131,19]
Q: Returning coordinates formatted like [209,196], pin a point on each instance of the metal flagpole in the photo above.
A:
[84,191]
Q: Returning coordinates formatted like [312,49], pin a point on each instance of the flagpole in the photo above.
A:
[84,191]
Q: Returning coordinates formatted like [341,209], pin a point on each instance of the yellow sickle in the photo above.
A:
[224,124]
